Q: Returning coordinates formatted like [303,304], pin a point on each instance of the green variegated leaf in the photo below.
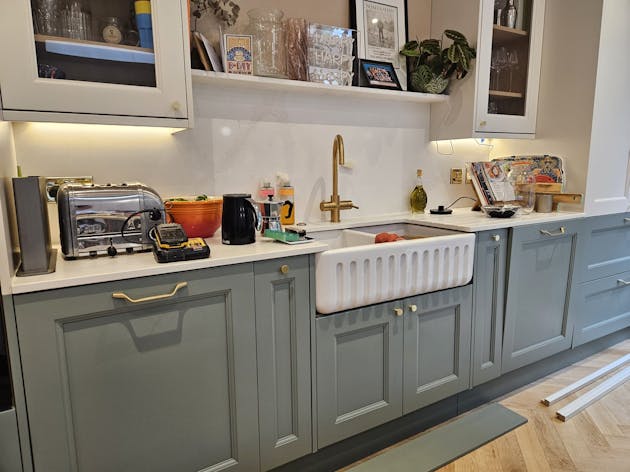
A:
[410,52]
[463,58]
[452,54]
[455,36]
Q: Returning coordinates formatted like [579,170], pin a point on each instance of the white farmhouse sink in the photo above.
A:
[356,272]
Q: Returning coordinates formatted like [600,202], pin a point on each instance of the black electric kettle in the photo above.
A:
[241,219]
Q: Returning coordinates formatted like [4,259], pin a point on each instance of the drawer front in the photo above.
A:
[606,248]
[602,307]
[116,385]
[98,298]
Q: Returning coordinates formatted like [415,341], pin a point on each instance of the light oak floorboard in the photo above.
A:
[595,440]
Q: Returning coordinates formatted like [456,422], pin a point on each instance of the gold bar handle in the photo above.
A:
[562,231]
[124,296]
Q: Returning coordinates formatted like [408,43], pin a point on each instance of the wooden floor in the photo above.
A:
[595,440]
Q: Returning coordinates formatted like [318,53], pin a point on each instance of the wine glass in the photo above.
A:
[493,70]
[513,64]
[501,62]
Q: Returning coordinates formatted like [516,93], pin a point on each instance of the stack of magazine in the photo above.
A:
[492,185]
[491,182]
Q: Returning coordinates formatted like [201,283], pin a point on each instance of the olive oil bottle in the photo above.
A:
[418,197]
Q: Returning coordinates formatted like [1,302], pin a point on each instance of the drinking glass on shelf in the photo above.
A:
[493,70]
[500,62]
[513,65]
[47,20]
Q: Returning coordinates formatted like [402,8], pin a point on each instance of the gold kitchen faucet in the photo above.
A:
[335,204]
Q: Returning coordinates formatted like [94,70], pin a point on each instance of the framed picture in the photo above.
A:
[378,74]
[381,32]
[237,54]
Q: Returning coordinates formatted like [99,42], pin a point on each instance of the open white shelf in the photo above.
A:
[266,83]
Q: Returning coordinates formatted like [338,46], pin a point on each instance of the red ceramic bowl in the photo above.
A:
[199,219]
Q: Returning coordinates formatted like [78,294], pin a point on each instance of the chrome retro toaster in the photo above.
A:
[91,218]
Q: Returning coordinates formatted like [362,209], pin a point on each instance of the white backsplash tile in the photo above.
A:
[241,137]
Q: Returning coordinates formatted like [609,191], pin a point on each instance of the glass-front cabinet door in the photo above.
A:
[102,58]
[509,66]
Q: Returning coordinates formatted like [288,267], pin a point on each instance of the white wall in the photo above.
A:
[241,137]
[608,189]
[567,84]
[7,170]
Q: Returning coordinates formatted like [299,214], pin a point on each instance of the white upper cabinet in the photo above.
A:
[499,97]
[95,61]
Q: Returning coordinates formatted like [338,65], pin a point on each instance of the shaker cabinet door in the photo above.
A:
[284,359]
[436,357]
[489,298]
[538,322]
[509,62]
[95,61]
[163,386]
[359,371]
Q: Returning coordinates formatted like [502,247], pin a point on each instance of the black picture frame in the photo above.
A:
[378,74]
[378,44]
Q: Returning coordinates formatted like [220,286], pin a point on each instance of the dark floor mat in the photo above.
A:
[444,444]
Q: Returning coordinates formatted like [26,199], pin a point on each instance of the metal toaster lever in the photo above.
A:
[124,296]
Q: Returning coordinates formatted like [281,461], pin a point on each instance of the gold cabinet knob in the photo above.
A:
[413,308]
[176,106]
[398,311]
[483,123]
[284,269]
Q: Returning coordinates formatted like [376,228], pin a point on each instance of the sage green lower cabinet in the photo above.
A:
[538,322]
[376,363]
[489,298]
[436,356]
[602,301]
[602,307]
[359,371]
[606,247]
[283,318]
[166,385]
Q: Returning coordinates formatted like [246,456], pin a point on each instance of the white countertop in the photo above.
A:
[462,219]
[126,266]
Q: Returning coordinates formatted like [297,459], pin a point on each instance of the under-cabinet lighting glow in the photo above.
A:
[97,128]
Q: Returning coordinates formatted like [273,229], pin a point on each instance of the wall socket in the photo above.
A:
[53,183]
[457,176]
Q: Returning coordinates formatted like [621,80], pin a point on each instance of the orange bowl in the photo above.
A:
[200,219]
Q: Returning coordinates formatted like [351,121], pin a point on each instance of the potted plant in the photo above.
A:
[226,11]
[431,66]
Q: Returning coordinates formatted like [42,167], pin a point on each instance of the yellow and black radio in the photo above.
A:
[171,244]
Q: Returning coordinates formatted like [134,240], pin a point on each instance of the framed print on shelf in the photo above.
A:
[381,32]
[237,54]
[377,74]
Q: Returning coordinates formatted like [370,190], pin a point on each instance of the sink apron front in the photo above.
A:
[357,276]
